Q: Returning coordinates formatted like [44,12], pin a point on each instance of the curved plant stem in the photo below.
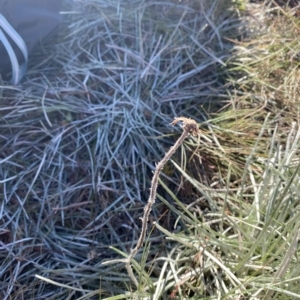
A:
[190,126]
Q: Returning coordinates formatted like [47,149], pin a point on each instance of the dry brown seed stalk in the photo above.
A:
[190,126]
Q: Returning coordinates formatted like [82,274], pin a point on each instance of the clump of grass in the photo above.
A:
[243,246]
[267,61]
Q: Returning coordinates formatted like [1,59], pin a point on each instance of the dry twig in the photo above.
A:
[190,126]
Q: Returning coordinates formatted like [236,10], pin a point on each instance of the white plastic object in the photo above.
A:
[18,71]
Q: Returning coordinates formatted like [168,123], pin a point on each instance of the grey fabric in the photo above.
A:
[33,20]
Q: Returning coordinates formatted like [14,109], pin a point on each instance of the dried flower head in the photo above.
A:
[189,125]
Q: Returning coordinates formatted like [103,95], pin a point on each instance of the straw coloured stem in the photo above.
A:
[190,126]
